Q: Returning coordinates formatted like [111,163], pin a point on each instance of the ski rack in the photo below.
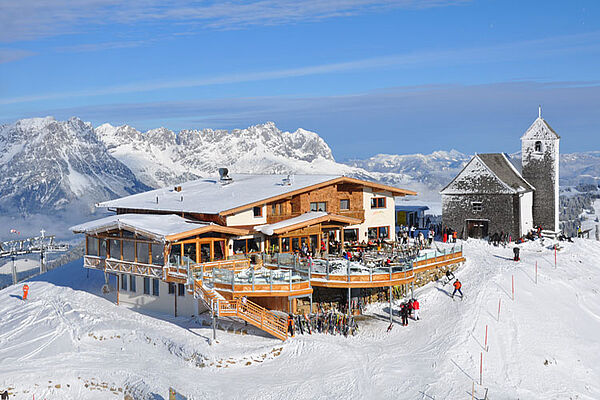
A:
[38,244]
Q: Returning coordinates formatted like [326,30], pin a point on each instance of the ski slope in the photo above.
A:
[70,342]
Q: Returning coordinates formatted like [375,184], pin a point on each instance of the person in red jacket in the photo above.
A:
[415,306]
[457,285]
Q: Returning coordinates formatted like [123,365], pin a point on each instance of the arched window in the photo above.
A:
[538,146]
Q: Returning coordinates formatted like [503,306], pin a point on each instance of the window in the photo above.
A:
[142,253]
[158,256]
[102,248]
[115,249]
[318,206]
[174,255]
[379,232]
[344,204]
[351,235]
[276,209]
[171,288]
[146,285]
[285,244]
[218,250]
[538,146]
[132,283]
[257,211]
[123,282]
[189,253]
[128,250]
[477,206]
[246,246]
[378,202]
[92,246]
[155,283]
[181,289]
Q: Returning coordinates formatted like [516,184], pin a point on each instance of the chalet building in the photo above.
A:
[153,237]
[490,195]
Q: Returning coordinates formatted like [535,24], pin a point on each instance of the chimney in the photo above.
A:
[224,176]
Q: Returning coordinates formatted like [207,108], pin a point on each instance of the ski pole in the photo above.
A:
[481,370]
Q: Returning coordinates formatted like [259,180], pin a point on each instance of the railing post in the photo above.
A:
[327,268]
[278,254]
[202,272]
[309,268]
[348,269]
[290,278]
[271,279]
[390,266]
[370,274]
[232,281]
[253,279]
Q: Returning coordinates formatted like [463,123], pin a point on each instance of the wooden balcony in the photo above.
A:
[357,214]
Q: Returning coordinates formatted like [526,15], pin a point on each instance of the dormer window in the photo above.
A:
[538,146]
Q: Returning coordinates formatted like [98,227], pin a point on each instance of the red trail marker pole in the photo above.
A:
[499,302]
[513,288]
[486,346]
[481,370]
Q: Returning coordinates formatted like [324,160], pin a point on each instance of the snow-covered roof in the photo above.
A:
[540,129]
[306,219]
[154,226]
[211,196]
[491,173]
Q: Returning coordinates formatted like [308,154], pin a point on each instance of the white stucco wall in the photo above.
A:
[164,303]
[526,212]
[377,216]
[247,217]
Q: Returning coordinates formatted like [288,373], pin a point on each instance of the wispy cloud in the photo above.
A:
[127,44]
[31,19]
[525,50]
[8,55]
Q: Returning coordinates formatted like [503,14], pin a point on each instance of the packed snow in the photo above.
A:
[69,341]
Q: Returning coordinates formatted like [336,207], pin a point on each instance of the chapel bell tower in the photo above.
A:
[540,158]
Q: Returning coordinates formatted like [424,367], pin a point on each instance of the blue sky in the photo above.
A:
[370,76]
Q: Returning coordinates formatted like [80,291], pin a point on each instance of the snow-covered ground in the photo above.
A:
[69,342]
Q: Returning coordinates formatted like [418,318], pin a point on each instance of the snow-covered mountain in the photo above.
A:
[46,164]
[160,157]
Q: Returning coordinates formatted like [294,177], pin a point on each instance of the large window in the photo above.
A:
[379,232]
[344,204]
[128,250]
[378,202]
[158,257]
[142,253]
[115,249]
[132,283]
[351,235]
[295,244]
[257,211]
[246,246]
[102,243]
[276,209]
[189,253]
[181,289]
[318,206]
[146,285]
[175,255]
[171,288]
[285,245]
[92,246]
[219,250]
[123,282]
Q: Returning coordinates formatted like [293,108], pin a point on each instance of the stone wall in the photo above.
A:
[501,210]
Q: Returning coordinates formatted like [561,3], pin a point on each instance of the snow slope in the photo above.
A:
[544,346]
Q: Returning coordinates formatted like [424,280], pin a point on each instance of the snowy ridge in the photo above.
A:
[543,346]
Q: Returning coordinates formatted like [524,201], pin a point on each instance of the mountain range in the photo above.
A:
[59,169]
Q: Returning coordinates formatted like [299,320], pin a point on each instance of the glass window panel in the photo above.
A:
[102,248]
[253,245]
[285,245]
[128,250]
[181,289]
[372,233]
[344,204]
[92,246]
[295,244]
[175,255]
[127,234]
[115,249]
[205,252]
[146,285]
[142,251]
[158,255]
[350,235]
[189,253]
[123,282]
[219,249]
[384,232]
[171,288]
[239,246]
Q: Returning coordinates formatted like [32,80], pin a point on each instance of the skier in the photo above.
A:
[457,286]
[404,314]
[415,306]
[290,325]
[25,291]
[4,395]
[516,252]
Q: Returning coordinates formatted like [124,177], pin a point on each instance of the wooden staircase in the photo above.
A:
[248,311]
